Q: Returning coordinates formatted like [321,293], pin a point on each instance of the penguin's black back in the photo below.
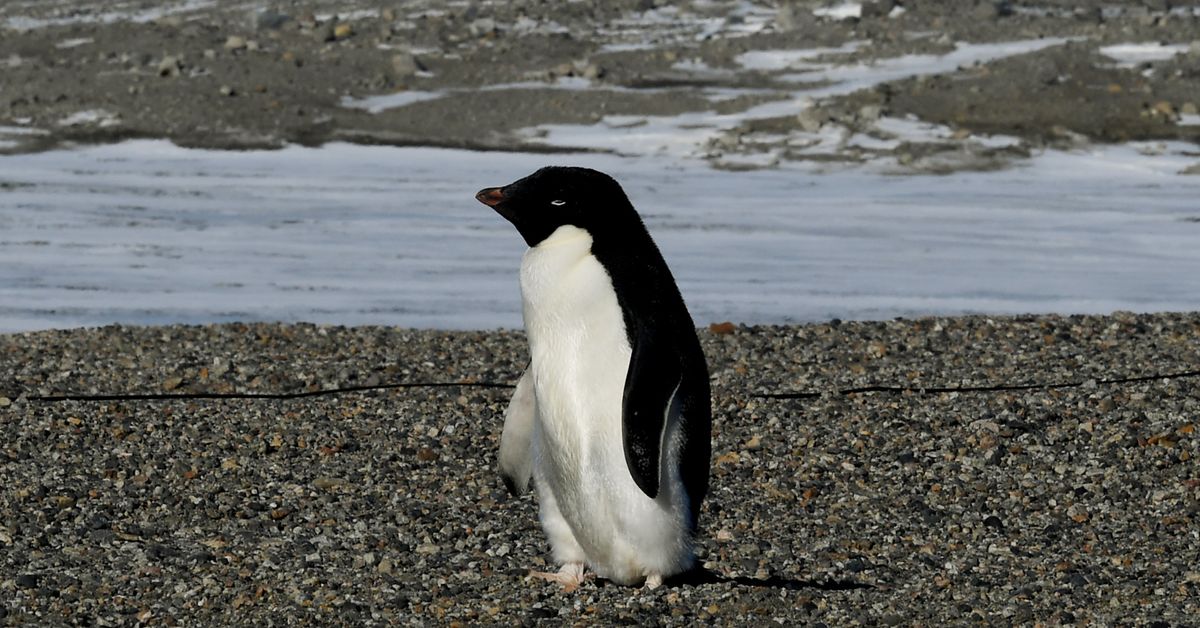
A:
[653,309]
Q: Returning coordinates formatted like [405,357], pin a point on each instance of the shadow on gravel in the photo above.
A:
[701,576]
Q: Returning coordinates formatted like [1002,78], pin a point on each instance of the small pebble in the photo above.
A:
[28,581]
[722,328]
[324,32]
[169,66]
[405,65]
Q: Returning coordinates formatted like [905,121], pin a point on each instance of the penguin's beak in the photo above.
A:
[490,196]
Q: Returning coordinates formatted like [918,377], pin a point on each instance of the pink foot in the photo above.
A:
[570,576]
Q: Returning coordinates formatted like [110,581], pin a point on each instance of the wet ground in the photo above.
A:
[493,76]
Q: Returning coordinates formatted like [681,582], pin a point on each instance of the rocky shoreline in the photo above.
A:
[1050,492]
[492,76]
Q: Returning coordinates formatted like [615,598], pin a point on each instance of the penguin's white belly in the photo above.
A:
[580,356]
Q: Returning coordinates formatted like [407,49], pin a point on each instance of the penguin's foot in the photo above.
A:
[570,576]
[653,581]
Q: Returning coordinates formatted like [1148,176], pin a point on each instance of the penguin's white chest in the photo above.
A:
[580,351]
[580,358]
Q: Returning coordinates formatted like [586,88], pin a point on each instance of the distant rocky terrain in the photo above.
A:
[489,75]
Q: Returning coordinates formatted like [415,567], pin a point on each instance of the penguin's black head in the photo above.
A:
[555,196]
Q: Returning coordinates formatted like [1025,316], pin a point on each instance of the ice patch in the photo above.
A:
[561,82]
[99,117]
[108,17]
[526,26]
[847,79]
[357,14]
[719,94]
[842,11]
[383,102]
[1130,55]
[671,25]
[869,142]
[145,232]
[687,135]
[775,60]
[912,130]
[692,65]
[21,130]
[916,131]
[14,136]
[74,43]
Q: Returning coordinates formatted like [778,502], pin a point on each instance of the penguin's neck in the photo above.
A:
[566,235]
[555,277]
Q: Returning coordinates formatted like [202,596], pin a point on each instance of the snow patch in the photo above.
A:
[1133,54]
[99,117]
[383,102]
[143,16]
[842,11]
[73,43]
[775,60]
[21,130]
[687,135]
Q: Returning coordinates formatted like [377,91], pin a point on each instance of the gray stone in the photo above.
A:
[792,16]
[269,20]
[877,8]
[482,26]
[28,580]
[406,65]
[810,120]
[169,66]
[324,32]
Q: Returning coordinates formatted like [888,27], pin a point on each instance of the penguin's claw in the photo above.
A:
[653,581]
[570,576]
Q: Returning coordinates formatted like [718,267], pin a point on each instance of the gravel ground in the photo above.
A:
[1069,505]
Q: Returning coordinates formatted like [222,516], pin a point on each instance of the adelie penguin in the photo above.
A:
[612,418]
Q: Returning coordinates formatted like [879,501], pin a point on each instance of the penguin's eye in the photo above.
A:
[558,203]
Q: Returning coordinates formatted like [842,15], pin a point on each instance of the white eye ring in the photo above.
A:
[558,203]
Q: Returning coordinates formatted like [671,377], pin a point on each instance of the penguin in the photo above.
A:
[612,418]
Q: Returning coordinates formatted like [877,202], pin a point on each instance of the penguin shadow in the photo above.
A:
[699,575]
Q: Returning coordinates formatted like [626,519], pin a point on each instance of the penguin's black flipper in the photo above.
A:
[649,405]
